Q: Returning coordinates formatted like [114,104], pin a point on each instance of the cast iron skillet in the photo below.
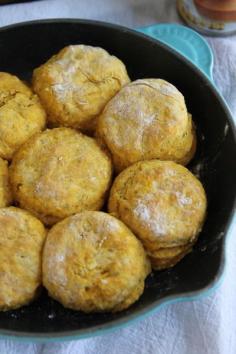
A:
[25,46]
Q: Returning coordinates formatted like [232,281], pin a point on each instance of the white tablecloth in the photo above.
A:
[206,326]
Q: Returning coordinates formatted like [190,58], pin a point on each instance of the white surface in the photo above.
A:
[207,326]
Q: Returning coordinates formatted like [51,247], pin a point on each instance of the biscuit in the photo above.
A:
[166,257]
[60,172]
[163,203]
[75,85]
[21,114]
[21,242]
[5,191]
[147,120]
[93,262]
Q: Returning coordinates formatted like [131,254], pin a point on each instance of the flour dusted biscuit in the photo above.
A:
[93,262]
[75,84]
[147,119]
[5,190]
[21,241]
[21,114]
[60,172]
[164,204]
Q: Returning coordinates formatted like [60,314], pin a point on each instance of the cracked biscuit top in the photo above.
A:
[59,172]
[75,84]
[162,202]
[21,114]
[147,119]
[93,262]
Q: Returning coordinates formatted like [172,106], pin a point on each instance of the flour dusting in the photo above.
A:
[42,190]
[72,227]
[145,122]
[159,85]
[168,90]
[112,225]
[13,215]
[154,219]
[60,257]
[182,199]
[63,90]
[57,273]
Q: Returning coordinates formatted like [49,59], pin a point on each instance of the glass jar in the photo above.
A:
[211,17]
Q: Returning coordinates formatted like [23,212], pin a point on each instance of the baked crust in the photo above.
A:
[147,120]
[93,262]
[21,114]
[60,172]
[21,241]
[162,202]
[76,84]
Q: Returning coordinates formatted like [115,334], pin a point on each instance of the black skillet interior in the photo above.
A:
[26,46]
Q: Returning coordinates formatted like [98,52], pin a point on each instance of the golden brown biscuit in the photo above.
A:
[21,114]
[21,242]
[75,84]
[163,203]
[10,85]
[147,119]
[60,172]
[166,257]
[92,262]
[5,191]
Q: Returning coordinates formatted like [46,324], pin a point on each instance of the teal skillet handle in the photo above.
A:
[185,41]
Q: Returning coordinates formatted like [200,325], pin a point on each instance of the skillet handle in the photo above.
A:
[185,41]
